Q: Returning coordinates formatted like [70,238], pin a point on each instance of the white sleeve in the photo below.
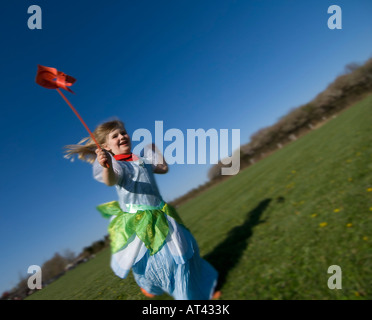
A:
[151,157]
[98,169]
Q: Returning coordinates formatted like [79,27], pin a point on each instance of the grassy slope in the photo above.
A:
[273,230]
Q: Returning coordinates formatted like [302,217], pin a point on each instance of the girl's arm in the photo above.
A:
[161,166]
[109,176]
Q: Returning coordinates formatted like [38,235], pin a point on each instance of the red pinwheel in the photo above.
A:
[51,78]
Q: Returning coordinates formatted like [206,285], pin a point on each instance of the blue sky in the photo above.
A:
[191,64]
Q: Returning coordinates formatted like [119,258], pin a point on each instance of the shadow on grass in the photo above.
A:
[227,254]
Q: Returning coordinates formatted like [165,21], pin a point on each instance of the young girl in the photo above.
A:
[146,233]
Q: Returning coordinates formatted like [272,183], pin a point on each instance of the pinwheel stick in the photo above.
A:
[81,120]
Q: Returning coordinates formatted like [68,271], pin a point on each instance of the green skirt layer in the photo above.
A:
[150,225]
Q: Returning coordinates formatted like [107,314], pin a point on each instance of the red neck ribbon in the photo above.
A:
[125,157]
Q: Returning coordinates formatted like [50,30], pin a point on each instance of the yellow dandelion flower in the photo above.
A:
[323,224]
[370,209]
[350,179]
[313,215]
[365,238]
[349,225]
[337,210]
[369,189]
[293,171]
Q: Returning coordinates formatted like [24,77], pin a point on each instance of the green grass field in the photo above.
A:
[273,230]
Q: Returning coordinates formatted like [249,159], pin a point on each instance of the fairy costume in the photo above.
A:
[148,236]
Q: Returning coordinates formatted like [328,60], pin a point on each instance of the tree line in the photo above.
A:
[55,267]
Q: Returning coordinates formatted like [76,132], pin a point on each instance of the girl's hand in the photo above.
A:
[103,158]
[109,176]
[161,166]
[154,148]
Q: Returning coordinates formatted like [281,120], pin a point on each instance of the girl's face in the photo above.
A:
[118,142]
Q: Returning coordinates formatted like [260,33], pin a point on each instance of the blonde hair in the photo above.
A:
[85,149]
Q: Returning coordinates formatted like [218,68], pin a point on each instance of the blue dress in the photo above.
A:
[177,268]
